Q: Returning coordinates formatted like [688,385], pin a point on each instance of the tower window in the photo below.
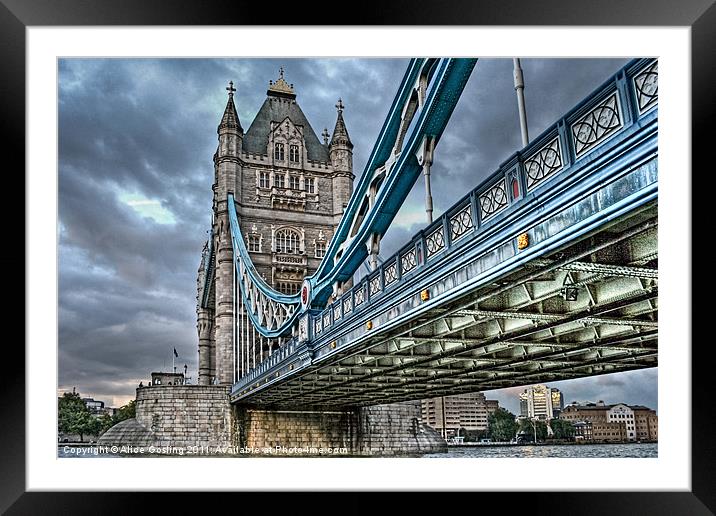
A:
[264,180]
[293,182]
[278,152]
[254,243]
[279,181]
[288,288]
[287,241]
[293,153]
[310,185]
[320,249]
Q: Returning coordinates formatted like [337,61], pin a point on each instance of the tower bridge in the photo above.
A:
[547,270]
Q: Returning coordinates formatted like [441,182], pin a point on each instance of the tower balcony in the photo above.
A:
[288,199]
[289,260]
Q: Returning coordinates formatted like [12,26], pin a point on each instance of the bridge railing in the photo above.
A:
[625,99]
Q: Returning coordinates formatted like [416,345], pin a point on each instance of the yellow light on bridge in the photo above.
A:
[369,325]
[424,295]
[523,241]
[333,345]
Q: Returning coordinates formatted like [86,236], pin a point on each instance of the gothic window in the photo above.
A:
[278,151]
[279,181]
[310,185]
[320,249]
[293,153]
[287,241]
[264,180]
[254,243]
[293,182]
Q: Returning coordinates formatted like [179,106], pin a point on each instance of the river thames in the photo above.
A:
[634,450]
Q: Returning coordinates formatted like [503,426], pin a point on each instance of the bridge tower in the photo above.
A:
[290,190]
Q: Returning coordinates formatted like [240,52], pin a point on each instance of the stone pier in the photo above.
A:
[202,416]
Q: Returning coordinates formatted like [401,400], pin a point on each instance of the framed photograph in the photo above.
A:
[293,253]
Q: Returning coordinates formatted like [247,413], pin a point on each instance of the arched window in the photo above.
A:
[287,241]
[293,153]
[320,249]
[278,151]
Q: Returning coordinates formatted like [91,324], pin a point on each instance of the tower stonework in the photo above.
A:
[290,191]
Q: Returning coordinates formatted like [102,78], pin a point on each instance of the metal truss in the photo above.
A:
[521,330]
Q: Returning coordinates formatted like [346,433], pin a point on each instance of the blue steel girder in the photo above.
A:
[601,156]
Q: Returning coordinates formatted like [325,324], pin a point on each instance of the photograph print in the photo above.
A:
[426,257]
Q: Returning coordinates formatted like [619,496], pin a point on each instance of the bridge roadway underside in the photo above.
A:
[588,309]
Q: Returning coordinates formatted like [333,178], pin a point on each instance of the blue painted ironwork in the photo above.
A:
[614,173]
[208,265]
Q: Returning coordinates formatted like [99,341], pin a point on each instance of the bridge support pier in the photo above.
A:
[385,430]
[201,418]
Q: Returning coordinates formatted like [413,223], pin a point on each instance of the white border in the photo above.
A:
[671,470]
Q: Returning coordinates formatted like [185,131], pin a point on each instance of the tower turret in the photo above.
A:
[227,180]
[341,153]
[230,131]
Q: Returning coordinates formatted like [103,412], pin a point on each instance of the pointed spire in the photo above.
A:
[230,120]
[340,133]
[325,135]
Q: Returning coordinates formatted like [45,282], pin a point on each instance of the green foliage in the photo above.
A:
[106,422]
[529,427]
[127,411]
[562,429]
[501,425]
[74,417]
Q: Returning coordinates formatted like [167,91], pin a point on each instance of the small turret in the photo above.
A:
[341,152]
[230,131]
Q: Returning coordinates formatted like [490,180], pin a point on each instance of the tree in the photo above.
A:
[74,417]
[127,411]
[106,422]
[530,426]
[501,425]
[562,429]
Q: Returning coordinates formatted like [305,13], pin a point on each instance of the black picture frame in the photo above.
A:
[16,15]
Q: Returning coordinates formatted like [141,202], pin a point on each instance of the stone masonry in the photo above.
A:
[182,416]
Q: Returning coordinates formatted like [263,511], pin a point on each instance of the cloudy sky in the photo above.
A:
[136,139]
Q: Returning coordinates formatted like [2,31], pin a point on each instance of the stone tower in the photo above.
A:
[290,191]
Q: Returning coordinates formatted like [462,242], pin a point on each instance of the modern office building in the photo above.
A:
[448,414]
[541,402]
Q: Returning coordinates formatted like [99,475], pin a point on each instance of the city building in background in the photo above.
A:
[449,414]
[96,407]
[541,402]
[618,422]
